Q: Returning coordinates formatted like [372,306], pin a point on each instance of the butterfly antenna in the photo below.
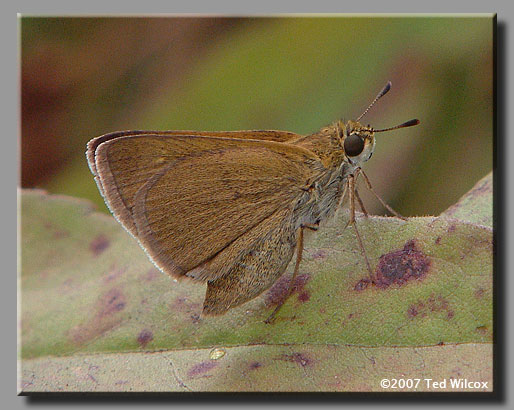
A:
[409,123]
[380,95]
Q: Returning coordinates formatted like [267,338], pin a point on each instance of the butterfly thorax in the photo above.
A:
[326,144]
[323,195]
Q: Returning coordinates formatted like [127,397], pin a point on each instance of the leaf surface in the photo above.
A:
[96,315]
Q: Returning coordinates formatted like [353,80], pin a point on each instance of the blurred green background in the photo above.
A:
[83,77]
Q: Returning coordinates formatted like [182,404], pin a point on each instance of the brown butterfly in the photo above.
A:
[229,208]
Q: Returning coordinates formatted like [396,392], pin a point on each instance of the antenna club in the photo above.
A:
[409,123]
[383,92]
[386,89]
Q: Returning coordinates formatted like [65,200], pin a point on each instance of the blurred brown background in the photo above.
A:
[83,77]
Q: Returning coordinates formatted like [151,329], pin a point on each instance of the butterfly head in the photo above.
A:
[358,142]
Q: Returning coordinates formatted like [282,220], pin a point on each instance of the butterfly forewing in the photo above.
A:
[121,166]
[188,198]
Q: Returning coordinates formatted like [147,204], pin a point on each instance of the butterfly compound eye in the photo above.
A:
[353,145]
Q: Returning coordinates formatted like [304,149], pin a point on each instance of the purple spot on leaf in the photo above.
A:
[398,267]
[255,365]
[99,244]
[201,368]
[278,291]
[144,337]
[298,358]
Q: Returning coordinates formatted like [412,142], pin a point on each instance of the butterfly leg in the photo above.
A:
[368,183]
[357,196]
[351,191]
[299,252]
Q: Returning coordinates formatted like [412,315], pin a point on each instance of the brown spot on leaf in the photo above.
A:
[99,244]
[144,337]
[298,358]
[401,266]
[361,285]
[254,365]
[479,293]
[482,330]
[304,296]
[105,317]
[319,254]
[199,369]
[57,233]
[278,291]
[437,304]
[431,305]
[412,311]
[183,304]
[438,240]
[350,316]
[452,228]
[112,302]
[113,274]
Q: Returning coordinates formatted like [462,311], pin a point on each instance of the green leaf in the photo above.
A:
[476,206]
[304,367]
[96,315]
